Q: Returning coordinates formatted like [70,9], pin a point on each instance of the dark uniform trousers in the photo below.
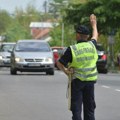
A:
[82,95]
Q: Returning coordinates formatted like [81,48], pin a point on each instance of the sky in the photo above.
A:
[10,5]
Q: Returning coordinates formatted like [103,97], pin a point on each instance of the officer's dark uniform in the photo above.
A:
[81,91]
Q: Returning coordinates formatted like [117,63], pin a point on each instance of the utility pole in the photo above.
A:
[45,6]
[62,44]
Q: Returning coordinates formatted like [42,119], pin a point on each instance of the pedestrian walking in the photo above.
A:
[79,60]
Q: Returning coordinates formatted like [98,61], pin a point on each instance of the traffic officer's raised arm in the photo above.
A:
[93,22]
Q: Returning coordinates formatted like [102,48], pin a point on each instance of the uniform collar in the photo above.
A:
[80,41]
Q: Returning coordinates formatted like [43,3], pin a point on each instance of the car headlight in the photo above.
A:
[17,59]
[1,57]
[50,60]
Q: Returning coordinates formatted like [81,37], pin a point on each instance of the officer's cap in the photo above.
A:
[82,29]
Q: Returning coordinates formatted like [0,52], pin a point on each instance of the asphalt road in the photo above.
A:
[108,97]
[36,96]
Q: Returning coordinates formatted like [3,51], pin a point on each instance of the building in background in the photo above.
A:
[40,30]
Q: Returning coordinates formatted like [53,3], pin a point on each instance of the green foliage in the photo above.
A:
[104,41]
[76,1]
[17,26]
[56,35]
[25,17]
[106,12]
[58,1]
[108,17]
[117,42]
[56,7]
[5,20]
[16,32]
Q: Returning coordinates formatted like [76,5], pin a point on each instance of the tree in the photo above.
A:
[15,32]
[56,35]
[58,1]
[5,21]
[107,13]
[77,1]
[25,17]
[56,7]
[19,27]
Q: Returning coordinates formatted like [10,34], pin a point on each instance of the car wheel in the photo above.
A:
[105,71]
[50,72]
[13,71]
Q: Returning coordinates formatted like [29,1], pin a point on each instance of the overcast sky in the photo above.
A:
[10,5]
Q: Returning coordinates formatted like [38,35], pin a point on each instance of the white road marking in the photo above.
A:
[105,86]
[118,90]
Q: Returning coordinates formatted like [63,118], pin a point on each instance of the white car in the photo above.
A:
[5,54]
[32,56]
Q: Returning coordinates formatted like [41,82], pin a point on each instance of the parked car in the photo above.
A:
[56,56]
[58,51]
[102,59]
[32,56]
[5,54]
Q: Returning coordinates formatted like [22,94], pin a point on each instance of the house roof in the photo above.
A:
[43,24]
[41,29]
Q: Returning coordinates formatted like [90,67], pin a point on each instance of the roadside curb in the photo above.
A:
[114,71]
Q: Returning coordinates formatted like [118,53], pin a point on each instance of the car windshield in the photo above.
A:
[32,47]
[6,47]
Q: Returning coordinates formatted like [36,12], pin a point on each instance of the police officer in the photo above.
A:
[82,58]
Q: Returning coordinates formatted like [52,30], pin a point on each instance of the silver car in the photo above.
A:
[32,56]
[5,54]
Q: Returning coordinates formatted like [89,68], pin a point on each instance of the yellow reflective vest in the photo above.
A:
[84,58]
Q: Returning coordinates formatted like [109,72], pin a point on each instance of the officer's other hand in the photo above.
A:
[69,71]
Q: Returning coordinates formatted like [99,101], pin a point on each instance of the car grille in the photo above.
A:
[33,60]
[7,56]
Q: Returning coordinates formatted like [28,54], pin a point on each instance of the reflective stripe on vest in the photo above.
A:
[78,75]
[84,57]
[84,69]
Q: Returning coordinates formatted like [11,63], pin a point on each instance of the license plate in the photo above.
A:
[33,64]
